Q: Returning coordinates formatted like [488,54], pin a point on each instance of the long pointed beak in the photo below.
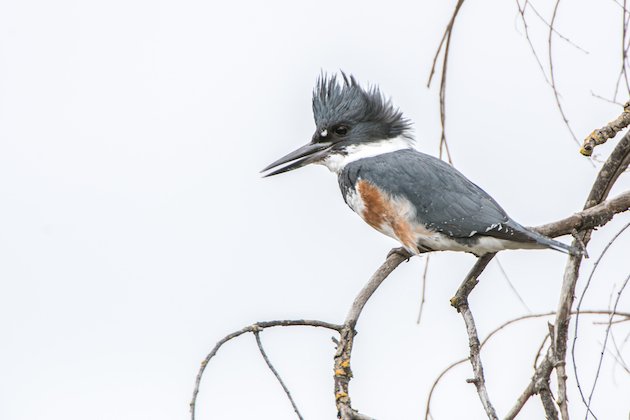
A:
[306,154]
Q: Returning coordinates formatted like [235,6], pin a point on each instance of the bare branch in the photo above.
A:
[562,37]
[590,218]
[610,130]
[446,43]
[424,285]
[509,282]
[394,259]
[539,384]
[521,400]
[546,397]
[617,353]
[610,101]
[445,35]
[276,374]
[556,95]
[427,411]
[251,328]
[470,281]
[343,372]
[460,302]
[540,349]
[521,11]
[623,74]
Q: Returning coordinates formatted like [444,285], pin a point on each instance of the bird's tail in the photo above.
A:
[553,244]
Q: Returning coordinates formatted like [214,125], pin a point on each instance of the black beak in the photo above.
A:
[306,154]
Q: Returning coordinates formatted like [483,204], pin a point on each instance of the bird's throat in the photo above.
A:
[335,162]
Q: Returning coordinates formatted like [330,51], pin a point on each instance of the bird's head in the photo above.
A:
[350,120]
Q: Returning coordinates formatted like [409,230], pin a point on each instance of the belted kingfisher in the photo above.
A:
[417,199]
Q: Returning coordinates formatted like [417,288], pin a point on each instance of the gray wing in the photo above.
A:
[446,201]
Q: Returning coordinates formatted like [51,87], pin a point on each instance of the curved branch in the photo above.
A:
[427,411]
[460,302]
[343,372]
[251,328]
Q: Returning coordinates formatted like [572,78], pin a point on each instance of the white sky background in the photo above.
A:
[135,230]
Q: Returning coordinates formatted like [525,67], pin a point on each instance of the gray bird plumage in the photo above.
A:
[445,201]
[418,199]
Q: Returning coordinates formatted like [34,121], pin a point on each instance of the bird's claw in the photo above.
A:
[400,251]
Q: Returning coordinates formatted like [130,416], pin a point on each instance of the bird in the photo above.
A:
[415,198]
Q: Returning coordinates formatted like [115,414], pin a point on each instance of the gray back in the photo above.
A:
[445,200]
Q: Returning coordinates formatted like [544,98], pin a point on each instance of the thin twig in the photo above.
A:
[521,11]
[622,6]
[424,285]
[579,305]
[542,371]
[540,349]
[251,328]
[623,74]
[617,321]
[460,302]
[562,37]
[446,43]
[509,282]
[276,374]
[610,101]
[617,354]
[556,95]
[601,358]
[624,46]
[449,26]
[427,411]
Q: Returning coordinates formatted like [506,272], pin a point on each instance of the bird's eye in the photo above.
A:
[341,130]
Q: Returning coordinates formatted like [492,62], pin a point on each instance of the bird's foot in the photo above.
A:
[400,251]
